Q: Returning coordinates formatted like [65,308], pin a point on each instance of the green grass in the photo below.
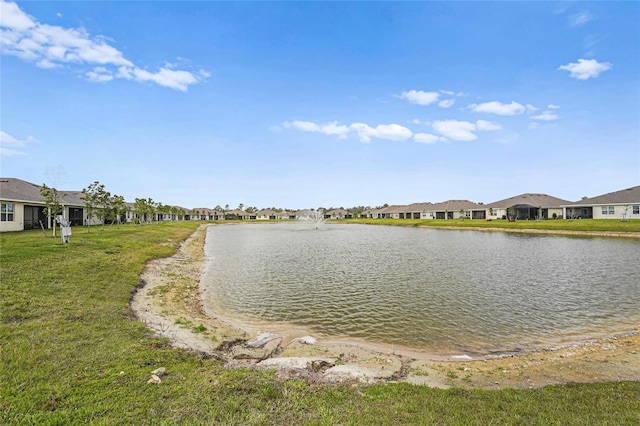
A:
[71,354]
[599,225]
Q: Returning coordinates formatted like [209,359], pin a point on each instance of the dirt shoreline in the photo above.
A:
[169,302]
[607,234]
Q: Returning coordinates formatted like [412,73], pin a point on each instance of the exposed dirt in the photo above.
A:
[169,302]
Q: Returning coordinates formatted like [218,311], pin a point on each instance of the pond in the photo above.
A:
[438,290]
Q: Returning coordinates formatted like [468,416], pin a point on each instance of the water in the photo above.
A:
[316,218]
[439,290]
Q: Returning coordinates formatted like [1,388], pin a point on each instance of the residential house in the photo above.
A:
[23,207]
[236,214]
[337,214]
[526,207]
[623,204]
[369,213]
[455,209]
[266,214]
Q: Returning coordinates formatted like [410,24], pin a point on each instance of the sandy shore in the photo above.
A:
[169,302]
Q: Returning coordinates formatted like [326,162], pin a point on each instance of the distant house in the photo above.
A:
[526,207]
[22,206]
[266,214]
[369,214]
[337,214]
[623,204]
[391,212]
[456,209]
[416,211]
[205,213]
[236,214]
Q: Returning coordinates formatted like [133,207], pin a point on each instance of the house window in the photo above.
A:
[608,210]
[6,212]
[636,209]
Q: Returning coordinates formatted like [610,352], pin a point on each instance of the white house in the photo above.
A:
[623,204]
[526,207]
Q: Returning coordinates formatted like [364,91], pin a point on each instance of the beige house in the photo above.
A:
[22,206]
[266,214]
[337,214]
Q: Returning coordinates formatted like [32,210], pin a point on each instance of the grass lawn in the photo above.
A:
[581,225]
[71,354]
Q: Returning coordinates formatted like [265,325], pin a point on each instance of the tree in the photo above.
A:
[118,207]
[103,199]
[140,209]
[165,210]
[53,207]
[151,208]
[240,206]
[90,198]
[357,211]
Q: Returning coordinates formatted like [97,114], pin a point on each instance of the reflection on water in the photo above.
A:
[438,289]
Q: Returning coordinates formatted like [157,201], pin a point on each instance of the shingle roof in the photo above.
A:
[624,196]
[393,209]
[534,200]
[12,189]
[456,205]
[418,207]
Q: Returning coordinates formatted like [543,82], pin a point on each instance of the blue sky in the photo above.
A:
[299,105]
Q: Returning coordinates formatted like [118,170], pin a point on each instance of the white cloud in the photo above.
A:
[428,138]
[552,106]
[11,146]
[392,132]
[332,129]
[498,108]
[456,130]
[99,75]
[336,129]
[50,46]
[463,130]
[534,125]
[586,68]
[419,97]
[178,80]
[12,17]
[305,126]
[531,108]
[580,18]
[487,125]
[546,116]
[446,103]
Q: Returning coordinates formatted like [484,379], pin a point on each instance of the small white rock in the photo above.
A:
[154,380]
[159,371]
[308,340]
[464,357]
